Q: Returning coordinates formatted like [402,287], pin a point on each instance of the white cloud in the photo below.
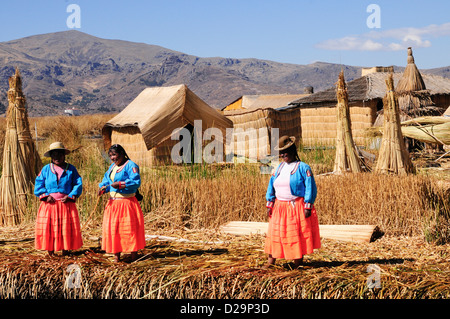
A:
[388,40]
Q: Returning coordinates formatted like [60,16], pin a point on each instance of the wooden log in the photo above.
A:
[351,233]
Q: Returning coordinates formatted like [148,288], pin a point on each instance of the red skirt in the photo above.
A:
[123,226]
[58,227]
[290,235]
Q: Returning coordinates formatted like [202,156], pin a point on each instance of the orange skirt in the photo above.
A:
[290,235]
[123,226]
[58,227]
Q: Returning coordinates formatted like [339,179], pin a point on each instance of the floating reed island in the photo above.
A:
[187,257]
[227,268]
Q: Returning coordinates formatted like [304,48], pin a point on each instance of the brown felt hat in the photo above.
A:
[285,142]
[56,146]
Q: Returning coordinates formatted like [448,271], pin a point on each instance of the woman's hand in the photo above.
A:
[64,199]
[269,212]
[50,199]
[102,190]
[307,212]
[115,185]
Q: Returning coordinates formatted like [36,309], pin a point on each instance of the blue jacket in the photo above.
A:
[70,182]
[302,184]
[127,175]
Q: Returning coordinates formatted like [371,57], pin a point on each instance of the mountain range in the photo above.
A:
[71,69]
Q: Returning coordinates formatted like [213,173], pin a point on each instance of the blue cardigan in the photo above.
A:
[70,182]
[302,184]
[127,175]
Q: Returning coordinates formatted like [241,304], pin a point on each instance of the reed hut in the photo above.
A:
[413,97]
[21,162]
[365,100]
[347,158]
[253,134]
[144,128]
[393,157]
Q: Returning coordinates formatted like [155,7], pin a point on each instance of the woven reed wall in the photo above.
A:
[318,125]
[252,130]
[131,139]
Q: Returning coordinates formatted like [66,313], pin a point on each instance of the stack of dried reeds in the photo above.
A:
[393,156]
[346,153]
[21,162]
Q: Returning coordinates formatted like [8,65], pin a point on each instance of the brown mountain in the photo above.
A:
[73,69]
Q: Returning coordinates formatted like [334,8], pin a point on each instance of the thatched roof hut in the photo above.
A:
[365,99]
[144,128]
[253,136]
[413,97]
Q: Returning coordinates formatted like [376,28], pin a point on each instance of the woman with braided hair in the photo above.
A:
[123,220]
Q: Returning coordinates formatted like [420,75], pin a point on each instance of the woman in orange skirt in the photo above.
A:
[58,185]
[123,220]
[293,224]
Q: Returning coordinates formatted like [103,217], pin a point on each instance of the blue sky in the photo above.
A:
[291,31]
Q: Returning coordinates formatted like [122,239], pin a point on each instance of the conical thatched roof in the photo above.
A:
[412,79]
[413,97]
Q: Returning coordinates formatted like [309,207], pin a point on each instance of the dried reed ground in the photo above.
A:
[410,266]
[191,202]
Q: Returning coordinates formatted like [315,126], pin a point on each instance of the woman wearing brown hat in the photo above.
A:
[293,224]
[58,185]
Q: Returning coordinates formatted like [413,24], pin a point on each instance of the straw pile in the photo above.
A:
[21,162]
[393,157]
[409,268]
[346,154]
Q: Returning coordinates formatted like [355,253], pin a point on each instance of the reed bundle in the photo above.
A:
[428,129]
[21,162]
[346,154]
[393,157]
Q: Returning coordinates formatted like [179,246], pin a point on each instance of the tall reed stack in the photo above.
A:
[346,154]
[393,156]
[21,162]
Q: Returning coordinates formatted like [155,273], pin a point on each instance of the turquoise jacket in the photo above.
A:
[302,184]
[70,182]
[127,175]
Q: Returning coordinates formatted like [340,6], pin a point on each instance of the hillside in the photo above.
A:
[73,69]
